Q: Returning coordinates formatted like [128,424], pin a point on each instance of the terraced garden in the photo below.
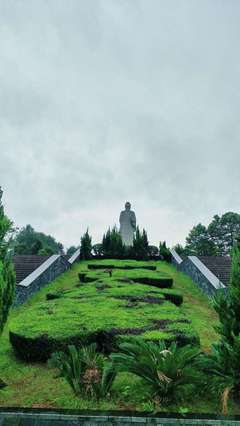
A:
[106,303]
[107,306]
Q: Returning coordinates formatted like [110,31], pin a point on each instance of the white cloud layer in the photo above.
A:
[106,101]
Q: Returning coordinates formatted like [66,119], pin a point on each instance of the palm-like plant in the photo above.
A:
[222,365]
[86,371]
[170,372]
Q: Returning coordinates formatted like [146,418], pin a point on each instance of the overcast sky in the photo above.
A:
[103,101]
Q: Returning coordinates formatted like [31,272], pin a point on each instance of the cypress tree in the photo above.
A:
[164,252]
[86,246]
[7,274]
[112,245]
[140,245]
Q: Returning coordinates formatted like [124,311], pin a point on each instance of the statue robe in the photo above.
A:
[127,226]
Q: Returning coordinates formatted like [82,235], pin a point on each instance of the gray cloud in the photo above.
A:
[108,100]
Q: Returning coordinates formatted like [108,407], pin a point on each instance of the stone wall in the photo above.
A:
[200,274]
[197,276]
[47,272]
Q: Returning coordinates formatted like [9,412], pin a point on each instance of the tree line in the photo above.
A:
[112,247]
[216,239]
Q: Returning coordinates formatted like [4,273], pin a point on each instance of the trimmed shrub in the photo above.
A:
[175,298]
[103,310]
[156,282]
[124,267]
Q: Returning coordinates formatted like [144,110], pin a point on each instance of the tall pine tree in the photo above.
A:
[112,245]
[86,246]
[140,245]
[7,274]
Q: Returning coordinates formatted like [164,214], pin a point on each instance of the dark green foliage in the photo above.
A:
[223,231]
[102,309]
[125,267]
[53,295]
[156,281]
[97,250]
[86,371]
[112,245]
[215,240]
[199,242]
[175,298]
[7,274]
[27,241]
[223,363]
[86,246]
[139,250]
[153,251]
[170,372]
[71,250]
[181,251]
[164,252]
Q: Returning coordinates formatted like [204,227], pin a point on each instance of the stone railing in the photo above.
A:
[200,274]
[45,273]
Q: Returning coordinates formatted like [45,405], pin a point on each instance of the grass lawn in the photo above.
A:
[94,306]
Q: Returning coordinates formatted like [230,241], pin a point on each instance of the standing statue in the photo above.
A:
[127,225]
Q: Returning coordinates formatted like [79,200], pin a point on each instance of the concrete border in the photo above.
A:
[43,275]
[176,258]
[18,417]
[74,257]
[38,271]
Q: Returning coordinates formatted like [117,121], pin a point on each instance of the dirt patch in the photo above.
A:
[101,287]
[161,324]
[144,299]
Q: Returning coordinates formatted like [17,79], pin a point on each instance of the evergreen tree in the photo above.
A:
[153,251]
[223,232]
[164,252]
[86,246]
[28,241]
[180,250]
[71,250]
[7,274]
[98,250]
[217,239]
[140,246]
[199,242]
[112,245]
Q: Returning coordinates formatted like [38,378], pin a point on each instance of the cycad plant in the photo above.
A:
[171,372]
[86,371]
[223,364]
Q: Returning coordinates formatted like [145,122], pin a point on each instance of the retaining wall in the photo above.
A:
[200,274]
[48,271]
[27,417]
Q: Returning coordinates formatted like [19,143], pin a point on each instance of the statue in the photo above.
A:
[127,225]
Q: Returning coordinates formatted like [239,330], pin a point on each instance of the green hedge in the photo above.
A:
[124,267]
[104,310]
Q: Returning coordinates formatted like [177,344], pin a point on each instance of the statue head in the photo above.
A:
[128,206]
